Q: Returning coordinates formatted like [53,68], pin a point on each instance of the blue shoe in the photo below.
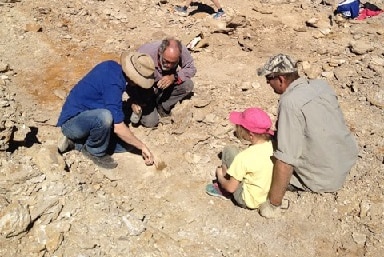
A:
[214,190]
[181,10]
[218,15]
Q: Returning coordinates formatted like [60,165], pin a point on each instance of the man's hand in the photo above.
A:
[166,81]
[147,155]
[269,211]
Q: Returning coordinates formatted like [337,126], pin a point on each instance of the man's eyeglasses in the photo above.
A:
[271,77]
[165,62]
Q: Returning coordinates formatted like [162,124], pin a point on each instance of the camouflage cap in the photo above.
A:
[280,63]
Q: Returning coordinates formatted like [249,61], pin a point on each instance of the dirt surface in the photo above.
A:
[53,205]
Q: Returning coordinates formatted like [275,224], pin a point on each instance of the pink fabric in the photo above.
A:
[253,119]
[366,13]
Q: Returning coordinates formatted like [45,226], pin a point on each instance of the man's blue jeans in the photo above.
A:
[92,130]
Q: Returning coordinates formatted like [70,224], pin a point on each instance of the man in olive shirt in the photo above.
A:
[315,149]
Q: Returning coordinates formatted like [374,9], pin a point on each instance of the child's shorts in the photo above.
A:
[238,196]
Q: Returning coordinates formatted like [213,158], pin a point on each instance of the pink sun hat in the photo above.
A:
[254,119]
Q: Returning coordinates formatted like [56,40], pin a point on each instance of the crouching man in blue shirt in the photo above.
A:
[92,117]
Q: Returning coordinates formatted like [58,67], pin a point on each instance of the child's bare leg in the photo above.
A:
[217,4]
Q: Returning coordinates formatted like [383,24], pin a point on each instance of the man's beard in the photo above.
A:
[164,67]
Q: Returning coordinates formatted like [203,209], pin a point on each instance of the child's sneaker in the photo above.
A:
[218,15]
[214,190]
[181,10]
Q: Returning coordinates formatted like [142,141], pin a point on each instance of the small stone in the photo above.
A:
[365,205]
[60,93]
[33,27]
[245,85]
[4,66]
[359,238]
[360,48]
[327,74]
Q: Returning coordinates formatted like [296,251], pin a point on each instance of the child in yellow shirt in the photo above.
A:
[246,176]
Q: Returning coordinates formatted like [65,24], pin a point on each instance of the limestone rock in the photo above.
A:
[360,48]
[14,219]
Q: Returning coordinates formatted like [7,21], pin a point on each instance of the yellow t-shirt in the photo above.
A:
[253,167]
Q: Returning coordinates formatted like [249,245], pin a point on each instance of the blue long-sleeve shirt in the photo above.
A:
[101,88]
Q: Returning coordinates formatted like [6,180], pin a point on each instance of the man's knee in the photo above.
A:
[105,118]
[188,85]
[150,121]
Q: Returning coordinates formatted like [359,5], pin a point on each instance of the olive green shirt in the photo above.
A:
[313,137]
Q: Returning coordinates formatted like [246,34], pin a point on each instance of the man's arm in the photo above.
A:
[187,66]
[290,134]
[282,173]
[125,134]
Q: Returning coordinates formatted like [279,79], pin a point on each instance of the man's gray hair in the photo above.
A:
[166,42]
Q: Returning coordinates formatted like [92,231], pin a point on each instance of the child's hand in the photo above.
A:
[219,172]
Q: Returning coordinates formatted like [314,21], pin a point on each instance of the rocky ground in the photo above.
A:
[53,205]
